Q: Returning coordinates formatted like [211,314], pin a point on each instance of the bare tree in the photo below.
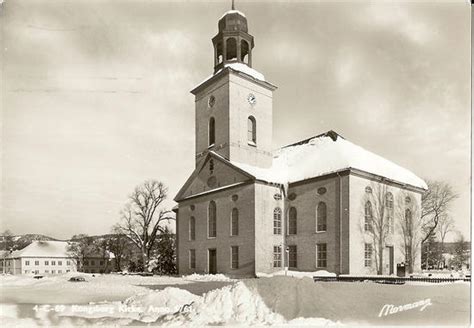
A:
[79,248]
[142,218]
[7,240]
[461,252]
[378,219]
[409,224]
[100,249]
[435,204]
[445,226]
[119,244]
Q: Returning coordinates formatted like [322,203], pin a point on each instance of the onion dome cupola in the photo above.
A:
[232,44]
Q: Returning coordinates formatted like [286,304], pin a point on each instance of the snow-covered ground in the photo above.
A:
[277,301]
[235,304]
[207,277]
[297,274]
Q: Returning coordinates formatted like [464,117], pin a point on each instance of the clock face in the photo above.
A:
[211,101]
[252,99]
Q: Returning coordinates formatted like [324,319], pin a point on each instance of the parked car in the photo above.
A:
[77,279]
[38,276]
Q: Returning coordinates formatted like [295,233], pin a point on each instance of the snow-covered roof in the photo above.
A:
[42,249]
[325,154]
[238,67]
[233,11]
[245,69]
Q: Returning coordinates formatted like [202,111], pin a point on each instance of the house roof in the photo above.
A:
[42,249]
[325,154]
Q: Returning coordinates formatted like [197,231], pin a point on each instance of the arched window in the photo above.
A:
[368,190]
[211,220]
[407,200]
[244,51]
[321,217]
[368,216]
[231,49]
[234,222]
[277,221]
[212,131]
[192,228]
[292,225]
[252,130]
[219,53]
[389,206]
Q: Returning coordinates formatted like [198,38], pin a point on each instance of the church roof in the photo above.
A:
[325,154]
[42,249]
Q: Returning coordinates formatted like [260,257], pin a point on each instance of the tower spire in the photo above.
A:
[233,6]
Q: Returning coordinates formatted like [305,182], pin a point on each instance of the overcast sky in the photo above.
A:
[95,94]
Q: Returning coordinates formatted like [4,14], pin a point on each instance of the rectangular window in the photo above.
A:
[37,262]
[53,262]
[86,262]
[60,262]
[60,271]
[46,262]
[192,228]
[53,271]
[68,262]
[277,221]
[192,259]
[27,262]
[46,271]
[321,255]
[368,255]
[92,262]
[101,263]
[276,256]
[235,257]
[292,256]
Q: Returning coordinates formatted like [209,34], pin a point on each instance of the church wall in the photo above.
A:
[223,241]
[240,109]
[220,90]
[265,204]
[306,202]
[357,235]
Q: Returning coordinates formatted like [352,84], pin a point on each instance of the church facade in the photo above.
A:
[322,203]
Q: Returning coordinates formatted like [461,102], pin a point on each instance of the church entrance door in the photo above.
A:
[212,258]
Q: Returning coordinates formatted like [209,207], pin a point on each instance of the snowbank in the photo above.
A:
[207,277]
[296,274]
[232,305]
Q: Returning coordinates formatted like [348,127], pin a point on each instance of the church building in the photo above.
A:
[322,203]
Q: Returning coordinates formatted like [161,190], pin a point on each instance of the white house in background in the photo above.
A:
[40,257]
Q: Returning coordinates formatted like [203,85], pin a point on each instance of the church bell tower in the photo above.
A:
[234,105]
